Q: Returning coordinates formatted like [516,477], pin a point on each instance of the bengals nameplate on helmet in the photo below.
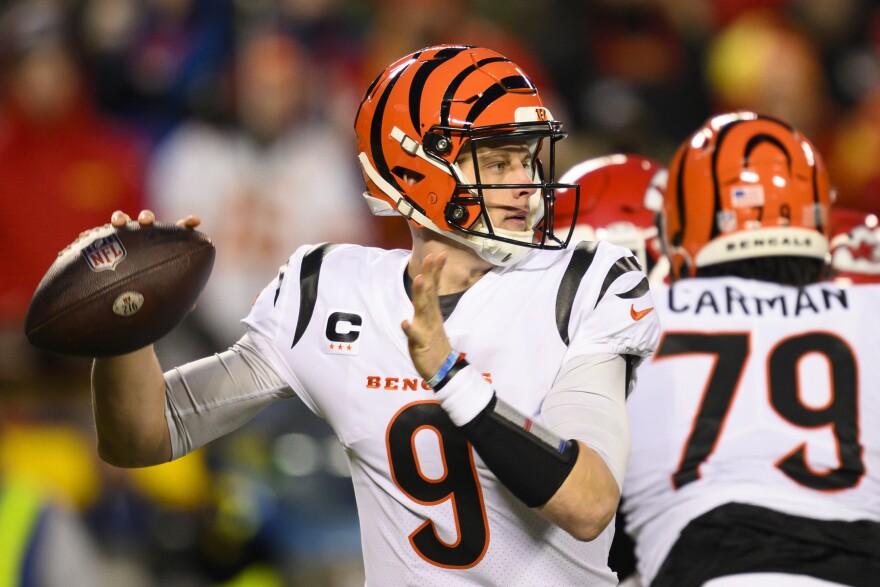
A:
[115,290]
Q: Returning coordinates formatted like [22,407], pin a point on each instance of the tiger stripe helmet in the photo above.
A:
[744,186]
[419,116]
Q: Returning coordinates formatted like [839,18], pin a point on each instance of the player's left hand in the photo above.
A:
[428,344]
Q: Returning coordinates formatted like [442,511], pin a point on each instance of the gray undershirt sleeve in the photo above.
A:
[588,403]
[213,396]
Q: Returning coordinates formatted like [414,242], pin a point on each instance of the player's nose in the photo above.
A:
[522,176]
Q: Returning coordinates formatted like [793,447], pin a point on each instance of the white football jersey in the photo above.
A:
[759,394]
[431,513]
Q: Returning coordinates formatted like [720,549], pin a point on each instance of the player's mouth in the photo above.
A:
[515,219]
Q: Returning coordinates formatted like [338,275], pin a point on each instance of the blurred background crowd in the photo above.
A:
[241,111]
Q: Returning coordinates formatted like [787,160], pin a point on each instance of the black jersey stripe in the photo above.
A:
[759,539]
[638,291]
[449,96]
[621,266]
[581,259]
[281,272]
[309,273]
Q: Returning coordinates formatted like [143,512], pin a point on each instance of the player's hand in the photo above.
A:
[147,217]
[428,344]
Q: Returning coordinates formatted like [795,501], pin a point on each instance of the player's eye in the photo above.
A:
[496,166]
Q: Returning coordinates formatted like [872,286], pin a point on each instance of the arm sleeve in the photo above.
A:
[588,403]
[213,396]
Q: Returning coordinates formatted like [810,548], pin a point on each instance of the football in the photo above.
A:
[115,290]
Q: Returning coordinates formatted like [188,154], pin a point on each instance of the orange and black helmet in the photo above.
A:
[415,120]
[745,186]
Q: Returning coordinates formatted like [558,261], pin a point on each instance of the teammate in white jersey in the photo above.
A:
[477,382]
[756,450]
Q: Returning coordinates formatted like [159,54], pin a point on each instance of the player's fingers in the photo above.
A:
[425,300]
[119,218]
[190,221]
[439,263]
[146,217]
[429,272]
[419,298]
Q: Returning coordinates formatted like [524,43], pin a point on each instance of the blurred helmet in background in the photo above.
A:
[620,196]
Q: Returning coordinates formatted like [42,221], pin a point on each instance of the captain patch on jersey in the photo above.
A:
[342,332]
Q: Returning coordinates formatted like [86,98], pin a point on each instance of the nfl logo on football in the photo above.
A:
[104,253]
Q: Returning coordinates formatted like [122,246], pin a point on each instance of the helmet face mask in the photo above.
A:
[468,209]
[438,107]
[744,186]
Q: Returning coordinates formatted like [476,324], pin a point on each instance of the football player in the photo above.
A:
[620,195]
[477,381]
[756,454]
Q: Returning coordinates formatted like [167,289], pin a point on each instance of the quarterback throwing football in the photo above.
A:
[477,381]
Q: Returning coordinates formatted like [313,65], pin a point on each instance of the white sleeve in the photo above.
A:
[588,402]
[213,396]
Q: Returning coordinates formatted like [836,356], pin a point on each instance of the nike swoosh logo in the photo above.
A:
[639,314]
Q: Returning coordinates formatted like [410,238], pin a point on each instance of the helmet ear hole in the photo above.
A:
[409,176]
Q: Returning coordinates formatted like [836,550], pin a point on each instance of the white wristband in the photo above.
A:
[465,395]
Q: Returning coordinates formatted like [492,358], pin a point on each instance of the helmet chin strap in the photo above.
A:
[509,253]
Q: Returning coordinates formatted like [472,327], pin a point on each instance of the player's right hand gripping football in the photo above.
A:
[147,217]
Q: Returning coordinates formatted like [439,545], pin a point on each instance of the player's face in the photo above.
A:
[503,163]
